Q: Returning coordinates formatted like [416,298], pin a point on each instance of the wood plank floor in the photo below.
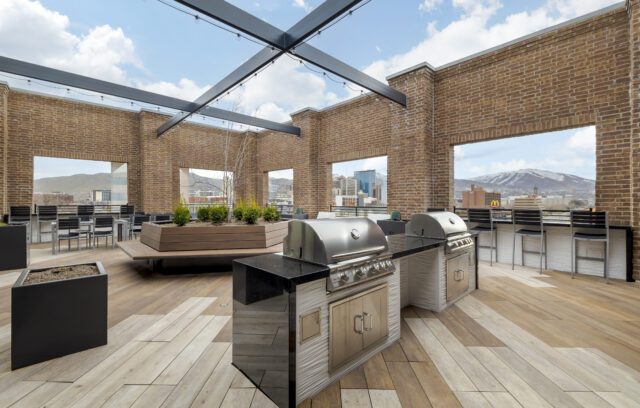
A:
[522,340]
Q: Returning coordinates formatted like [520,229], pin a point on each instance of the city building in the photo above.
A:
[477,197]
[101,196]
[366,181]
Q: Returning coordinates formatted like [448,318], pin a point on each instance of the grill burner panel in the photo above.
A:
[354,249]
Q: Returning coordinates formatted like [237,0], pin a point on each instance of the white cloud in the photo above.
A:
[583,140]
[283,87]
[302,4]
[429,5]
[475,31]
[31,32]
[184,89]
[377,163]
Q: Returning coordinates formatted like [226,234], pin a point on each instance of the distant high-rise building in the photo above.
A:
[101,196]
[366,181]
[348,186]
[477,197]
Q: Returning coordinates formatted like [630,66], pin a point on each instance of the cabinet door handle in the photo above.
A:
[458,275]
[355,324]
[370,316]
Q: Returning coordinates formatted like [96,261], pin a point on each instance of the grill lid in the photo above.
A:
[441,225]
[333,240]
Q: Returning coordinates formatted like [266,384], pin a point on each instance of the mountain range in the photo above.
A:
[523,181]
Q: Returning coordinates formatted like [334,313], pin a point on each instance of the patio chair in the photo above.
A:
[162,218]
[483,220]
[46,214]
[103,227]
[533,228]
[591,226]
[136,225]
[69,230]
[86,213]
[127,211]
[21,215]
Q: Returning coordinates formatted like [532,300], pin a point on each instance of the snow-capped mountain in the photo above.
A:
[524,180]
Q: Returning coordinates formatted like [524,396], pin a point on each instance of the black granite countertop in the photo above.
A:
[401,245]
[299,272]
[295,271]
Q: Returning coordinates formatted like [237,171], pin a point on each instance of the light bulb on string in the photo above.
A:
[197,17]
[238,36]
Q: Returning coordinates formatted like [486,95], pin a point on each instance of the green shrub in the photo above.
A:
[395,215]
[204,213]
[251,213]
[181,215]
[298,210]
[219,213]
[238,210]
[270,214]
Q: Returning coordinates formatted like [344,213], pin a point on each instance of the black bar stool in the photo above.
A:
[592,226]
[21,215]
[483,218]
[534,228]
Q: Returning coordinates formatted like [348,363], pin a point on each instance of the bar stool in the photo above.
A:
[533,219]
[483,218]
[127,211]
[85,214]
[46,214]
[591,225]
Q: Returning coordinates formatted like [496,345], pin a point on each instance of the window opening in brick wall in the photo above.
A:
[552,171]
[201,188]
[60,181]
[359,184]
[281,187]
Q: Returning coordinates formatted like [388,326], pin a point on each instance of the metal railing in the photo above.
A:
[72,209]
[345,211]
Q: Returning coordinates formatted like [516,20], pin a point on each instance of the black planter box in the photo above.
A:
[57,318]
[13,247]
[392,227]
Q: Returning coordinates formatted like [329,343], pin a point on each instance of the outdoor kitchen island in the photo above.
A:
[299,326]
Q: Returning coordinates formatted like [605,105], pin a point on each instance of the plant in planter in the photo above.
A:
[181,215]
[218,213]
[13,247]
[251,213]
[395,215]
[204,214]
[299,215]
[238,210]
[57,311]
[270,214]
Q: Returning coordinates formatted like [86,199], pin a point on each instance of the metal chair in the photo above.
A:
[136,225]
[592,226]
[46,214]
[103,227]
[73,232]
[430,209]
[127,211]
[533,219]
[86,213]
[21,215]
[162,218]
[483,218]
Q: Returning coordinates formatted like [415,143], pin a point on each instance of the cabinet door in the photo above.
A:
[376,316]
[346,331]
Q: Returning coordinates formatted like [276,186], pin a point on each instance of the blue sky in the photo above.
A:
[147,44]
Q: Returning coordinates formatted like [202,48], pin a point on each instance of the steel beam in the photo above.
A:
[278,40]
[40,72]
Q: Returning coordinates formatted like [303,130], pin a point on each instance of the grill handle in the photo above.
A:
[355,254]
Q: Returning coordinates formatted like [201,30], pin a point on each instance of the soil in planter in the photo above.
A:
[61,273]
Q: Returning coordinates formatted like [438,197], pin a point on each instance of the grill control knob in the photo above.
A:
[359,273]
[344,277]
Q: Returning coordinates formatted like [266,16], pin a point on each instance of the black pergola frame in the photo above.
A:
[279,43]
[29,70]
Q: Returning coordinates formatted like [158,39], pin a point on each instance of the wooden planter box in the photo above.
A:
[57,318]
[13,247]
[204,237]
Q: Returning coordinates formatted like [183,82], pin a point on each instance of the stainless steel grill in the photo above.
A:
[441,225]
[354,249]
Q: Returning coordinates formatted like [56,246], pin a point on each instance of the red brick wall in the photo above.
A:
[4,136]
